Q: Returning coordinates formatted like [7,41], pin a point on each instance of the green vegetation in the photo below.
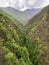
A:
[38,29]
[24,46]
[12,42]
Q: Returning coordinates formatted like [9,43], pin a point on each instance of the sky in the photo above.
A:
[24,4]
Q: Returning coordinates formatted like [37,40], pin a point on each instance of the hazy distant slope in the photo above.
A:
[39,30]
[23,16]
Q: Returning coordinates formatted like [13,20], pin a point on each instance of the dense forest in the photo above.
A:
[24,45]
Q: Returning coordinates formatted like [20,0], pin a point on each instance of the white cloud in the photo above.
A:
[24,4]
[41,3]
[45,3]
[3,3]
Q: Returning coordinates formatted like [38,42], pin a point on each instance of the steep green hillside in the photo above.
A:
[12,49]
[34,21]
[38,30]
[24,46]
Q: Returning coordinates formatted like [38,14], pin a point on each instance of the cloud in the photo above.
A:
[24,4]
[41,3]
[4,3]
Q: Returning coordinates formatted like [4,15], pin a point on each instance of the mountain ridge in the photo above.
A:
[23,16]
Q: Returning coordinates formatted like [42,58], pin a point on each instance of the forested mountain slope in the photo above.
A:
[24,46]
[12,51]
[38,29]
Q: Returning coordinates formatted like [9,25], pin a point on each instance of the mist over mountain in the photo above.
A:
[23,10]
[23,16]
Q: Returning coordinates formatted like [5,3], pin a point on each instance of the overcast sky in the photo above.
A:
[24,4]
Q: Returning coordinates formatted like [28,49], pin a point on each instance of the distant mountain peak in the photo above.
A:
[23,16]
